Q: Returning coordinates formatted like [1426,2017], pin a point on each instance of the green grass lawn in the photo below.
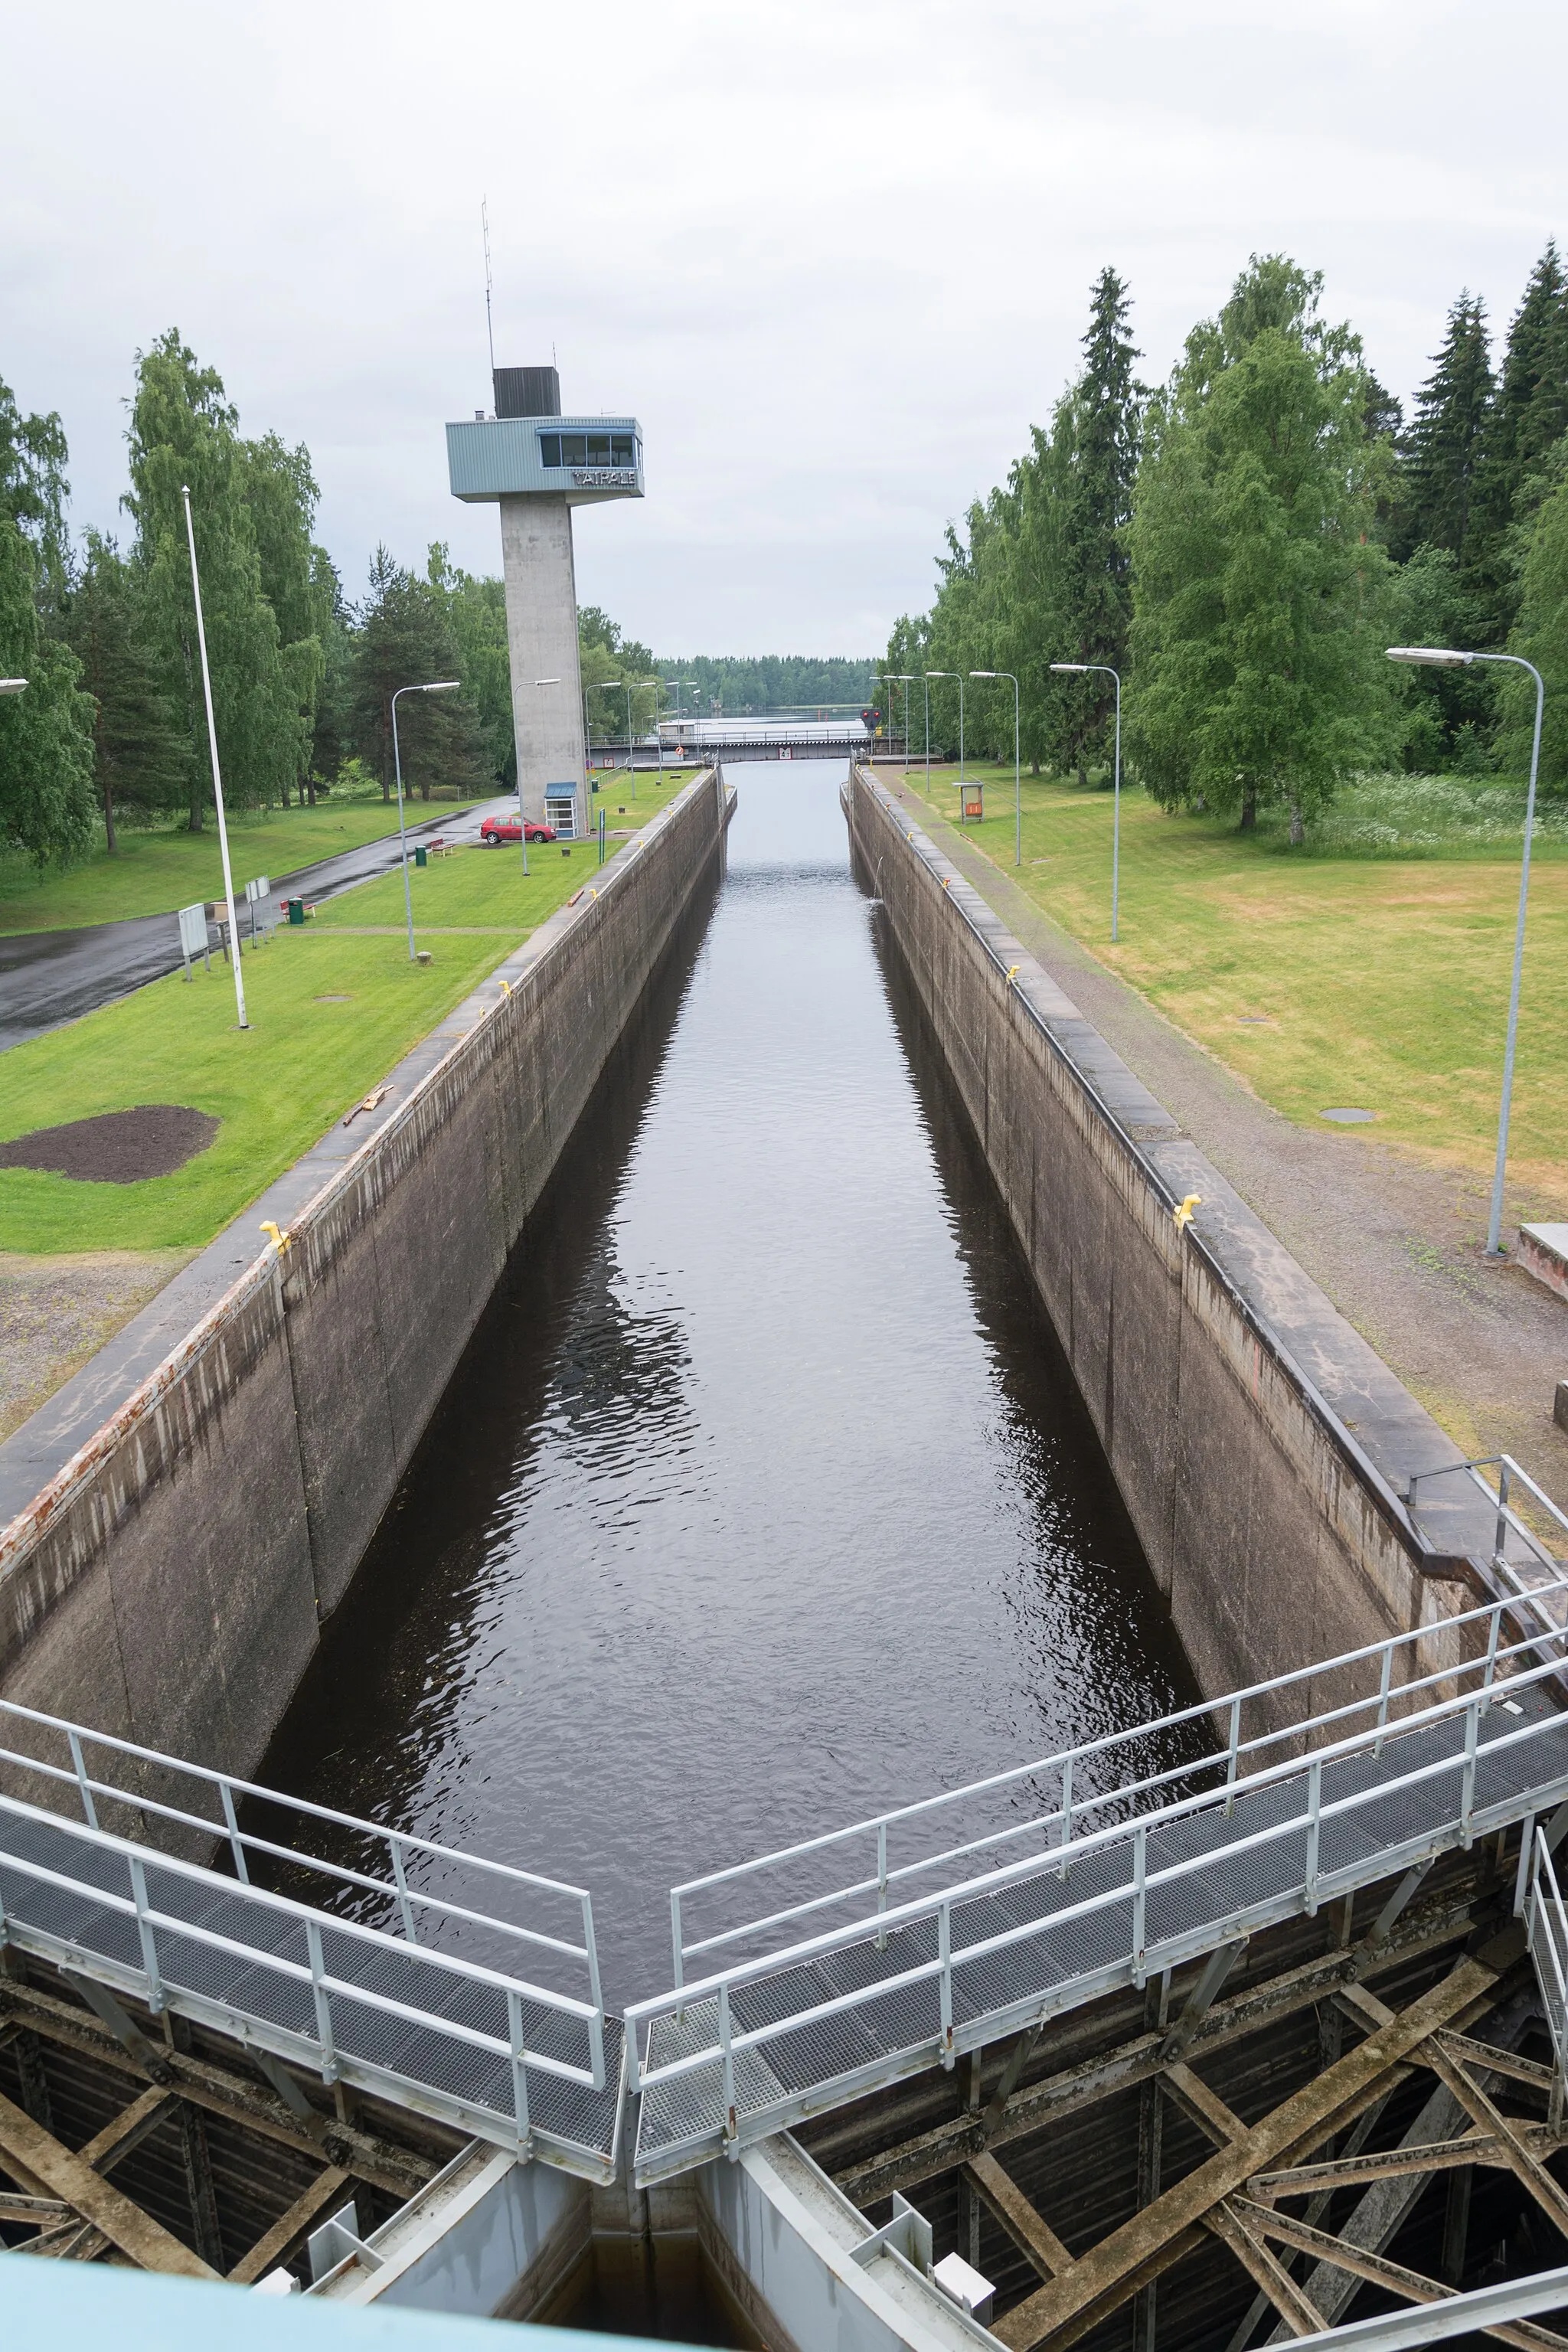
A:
[156,870]
[1355,976]
[304,1060]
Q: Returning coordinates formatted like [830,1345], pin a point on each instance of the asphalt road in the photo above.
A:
[48,977]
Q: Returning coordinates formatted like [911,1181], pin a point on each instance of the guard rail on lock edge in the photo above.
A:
[170,1930]
[1485,1666]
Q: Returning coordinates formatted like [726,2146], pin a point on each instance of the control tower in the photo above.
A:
[537,464]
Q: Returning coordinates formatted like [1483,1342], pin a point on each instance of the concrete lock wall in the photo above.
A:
[1272,1531]
[168,1584]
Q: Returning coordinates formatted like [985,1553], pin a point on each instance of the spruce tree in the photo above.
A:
[1096,590]
[46,748]
[1446,449]
[1533,396]
[139,753]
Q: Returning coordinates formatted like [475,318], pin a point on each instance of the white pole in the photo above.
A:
[217,779]
[1494,1227]
[402,834]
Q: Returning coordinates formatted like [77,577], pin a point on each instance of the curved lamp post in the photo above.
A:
[958,676]
[1446,657]
[438,686]
[1017,763]
[13,685]
[1105,670]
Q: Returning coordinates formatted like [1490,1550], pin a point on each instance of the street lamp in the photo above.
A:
[438,686]
[1443,657]
[13,685]
[1104,670]
[217,779]
[1017,761]
[959,676]
[903,679]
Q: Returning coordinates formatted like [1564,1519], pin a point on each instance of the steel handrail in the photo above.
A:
[263,1898]
[1318,1886]
[1069,1811]
[276,1797]
[1384,1699]
[252,1843]
[1107,1741]
[364,1996]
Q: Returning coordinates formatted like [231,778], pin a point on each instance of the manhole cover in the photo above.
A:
[1348,1117]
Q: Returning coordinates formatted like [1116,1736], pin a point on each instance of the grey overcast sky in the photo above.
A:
[835,254]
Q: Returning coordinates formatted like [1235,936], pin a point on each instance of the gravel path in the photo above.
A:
[1396,1244]
[56,1312]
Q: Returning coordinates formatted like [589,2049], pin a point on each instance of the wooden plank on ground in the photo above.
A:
[270,2251]
[1029,2230]
[1068,2307]
[65,2176]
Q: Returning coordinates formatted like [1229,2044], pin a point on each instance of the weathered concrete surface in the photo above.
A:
[1222,1382]
[166,1581]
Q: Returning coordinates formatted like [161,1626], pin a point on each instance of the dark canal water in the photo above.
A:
[763,1498]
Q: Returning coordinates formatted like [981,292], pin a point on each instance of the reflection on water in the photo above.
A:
[763,1498]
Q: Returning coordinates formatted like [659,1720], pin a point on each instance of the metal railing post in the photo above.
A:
[679,1955]
[1382,1691]
[596,2022]
[1522,1875]
[394,1848]
[1467,1778]
[1489,1674]
[1140,1875]
[519,2070]
[1314,1831]
[323,2002]
[237,1842]
[144,1934]
[881,1882]
[731,2124]
[1502,1485]
[945,1952]
[1067,1814]
[89,1811]
[1234,1756]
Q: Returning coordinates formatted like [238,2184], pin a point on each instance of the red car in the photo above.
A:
[497,829]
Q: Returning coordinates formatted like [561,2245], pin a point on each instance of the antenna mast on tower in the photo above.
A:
[489,322]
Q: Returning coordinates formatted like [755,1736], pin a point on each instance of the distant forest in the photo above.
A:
[772,682]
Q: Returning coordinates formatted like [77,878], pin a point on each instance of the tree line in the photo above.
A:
[112,726]
[1243,542]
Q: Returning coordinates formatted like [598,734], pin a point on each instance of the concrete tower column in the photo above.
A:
[542,632]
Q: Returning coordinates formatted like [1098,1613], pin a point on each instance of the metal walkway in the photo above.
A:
[370,2000]
[1124,1872]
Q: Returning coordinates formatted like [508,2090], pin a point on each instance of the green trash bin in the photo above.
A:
[421,856]
[297,911]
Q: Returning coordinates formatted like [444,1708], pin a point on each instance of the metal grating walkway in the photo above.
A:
[509,2060]
[767,2042]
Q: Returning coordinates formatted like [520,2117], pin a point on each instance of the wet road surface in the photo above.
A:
[763,1497]
[48,977]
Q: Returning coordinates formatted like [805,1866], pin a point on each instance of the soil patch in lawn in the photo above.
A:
[119,1147]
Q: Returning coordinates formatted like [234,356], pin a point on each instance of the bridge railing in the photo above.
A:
[1064,1822]
[386,1880]
[1546,1922]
